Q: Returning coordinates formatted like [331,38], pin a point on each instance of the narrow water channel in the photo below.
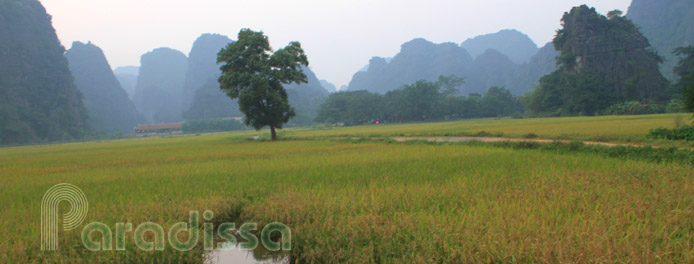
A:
[241,256]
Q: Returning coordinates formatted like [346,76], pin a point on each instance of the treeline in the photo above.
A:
[421,101]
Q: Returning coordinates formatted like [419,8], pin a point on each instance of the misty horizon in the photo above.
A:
[339,38]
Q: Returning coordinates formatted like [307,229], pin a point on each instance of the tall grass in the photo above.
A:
[361,203]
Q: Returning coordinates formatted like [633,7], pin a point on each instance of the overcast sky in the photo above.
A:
[339,36]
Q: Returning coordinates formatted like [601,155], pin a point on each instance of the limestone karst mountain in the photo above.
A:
[420,59]
[202,65]
[159,91]
[668,24]
[38,98]
[515,45]
[108,106]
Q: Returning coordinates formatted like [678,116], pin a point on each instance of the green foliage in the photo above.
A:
[254,75]
[680,133]
[417,102]
[675,155]
[351,108]
[685,71]
[562,94]
[614,14]
[603,62]
[421,101]
[675,106]
[450,83]
[212,125]
[633,108]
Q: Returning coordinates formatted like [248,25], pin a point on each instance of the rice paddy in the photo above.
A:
[370,202]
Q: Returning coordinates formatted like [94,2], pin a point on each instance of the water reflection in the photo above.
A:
[241,256]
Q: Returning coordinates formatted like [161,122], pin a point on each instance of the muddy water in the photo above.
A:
[242,256]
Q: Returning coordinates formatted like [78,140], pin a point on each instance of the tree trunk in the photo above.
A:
[274,133]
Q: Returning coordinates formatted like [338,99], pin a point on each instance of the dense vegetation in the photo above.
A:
[159,91]
[420,101]
[678,133]
[38,98]
[110,110]
[604,61]
[685,71]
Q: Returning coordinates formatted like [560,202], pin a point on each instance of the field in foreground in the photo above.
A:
[362,202]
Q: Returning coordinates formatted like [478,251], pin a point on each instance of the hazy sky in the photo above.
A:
[339,36]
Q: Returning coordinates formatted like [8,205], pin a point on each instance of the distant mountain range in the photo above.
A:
[491,64]
[510,59]
[515,45]
[43,98]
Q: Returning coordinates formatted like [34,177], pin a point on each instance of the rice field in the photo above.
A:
[597,128]
[369,202]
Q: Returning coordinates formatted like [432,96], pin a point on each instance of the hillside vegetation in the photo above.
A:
[38,98]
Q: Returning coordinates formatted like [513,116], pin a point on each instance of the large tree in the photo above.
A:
[254,74]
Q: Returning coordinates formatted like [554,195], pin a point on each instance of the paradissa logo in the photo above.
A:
[78,212]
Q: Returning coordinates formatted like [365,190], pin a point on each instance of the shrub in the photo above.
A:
[675,106]
[680,133]
[633,108]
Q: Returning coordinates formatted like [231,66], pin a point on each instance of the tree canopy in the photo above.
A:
[254,74]
[685,71]
[420,101]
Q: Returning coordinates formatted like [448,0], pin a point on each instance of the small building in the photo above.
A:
[158,130]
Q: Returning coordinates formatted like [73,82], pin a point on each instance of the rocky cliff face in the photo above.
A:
[38,99]
[510,42]
[668,24]
[613,49]
[110,110]
[158,95]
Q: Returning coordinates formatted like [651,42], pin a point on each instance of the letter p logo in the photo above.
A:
[63,192]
